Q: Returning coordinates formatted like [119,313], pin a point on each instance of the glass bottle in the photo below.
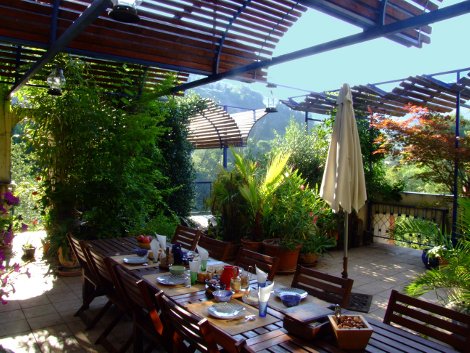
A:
[236,282]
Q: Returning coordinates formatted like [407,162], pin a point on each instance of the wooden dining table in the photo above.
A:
[268,335]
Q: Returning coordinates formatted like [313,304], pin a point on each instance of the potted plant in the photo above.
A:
[290,223]
[314,246]
[28,250]
[257,187]
[436,244]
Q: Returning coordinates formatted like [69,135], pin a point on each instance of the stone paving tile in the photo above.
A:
[20,343]
[14,327]
[57,338]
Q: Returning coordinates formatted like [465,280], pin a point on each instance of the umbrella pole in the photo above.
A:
[345,240]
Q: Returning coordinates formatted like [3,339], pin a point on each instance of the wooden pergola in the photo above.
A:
[214,38]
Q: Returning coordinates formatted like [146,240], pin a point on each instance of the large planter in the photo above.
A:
[428,262]
[287,258]
[251,245]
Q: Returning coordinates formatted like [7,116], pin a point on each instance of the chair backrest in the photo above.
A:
[99,266]
[187,237]
[246,258]
[190,333]
[217,249]
[77,249]
[324,286]
[137,294]
[442,324]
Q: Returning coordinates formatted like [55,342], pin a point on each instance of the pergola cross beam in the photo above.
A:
[82,22]
[368,34]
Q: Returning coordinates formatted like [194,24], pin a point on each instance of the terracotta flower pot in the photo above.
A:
[308,259]
[287,258]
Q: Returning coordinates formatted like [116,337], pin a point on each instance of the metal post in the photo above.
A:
[306,121]
[225,157]
[345,241]
[456,166]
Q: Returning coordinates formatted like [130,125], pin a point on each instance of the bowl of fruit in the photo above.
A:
[144,241]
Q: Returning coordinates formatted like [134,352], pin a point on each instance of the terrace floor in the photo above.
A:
[39,315]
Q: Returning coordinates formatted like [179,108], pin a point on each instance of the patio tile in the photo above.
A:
[57,339]
[39,310]
[13,315]
[11,305]
[14,328]
[45,320]
[20,343]
[39,300]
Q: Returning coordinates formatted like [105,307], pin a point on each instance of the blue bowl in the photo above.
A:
[291,299]
[222,295]
[140,252]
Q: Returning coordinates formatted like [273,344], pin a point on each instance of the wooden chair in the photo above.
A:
[187,237]
[91,287]
[326,287]
[189,333]
[105,278]
[246,258]
[145,317]
[217,249]
[442,324]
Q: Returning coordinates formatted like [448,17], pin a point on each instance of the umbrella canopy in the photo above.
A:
[343,184]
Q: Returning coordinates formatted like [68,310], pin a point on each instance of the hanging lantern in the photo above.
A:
[271,104]
[125,10]
[56,82]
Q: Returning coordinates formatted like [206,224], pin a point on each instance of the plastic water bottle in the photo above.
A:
[187,279]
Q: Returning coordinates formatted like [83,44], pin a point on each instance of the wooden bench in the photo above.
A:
[431,320]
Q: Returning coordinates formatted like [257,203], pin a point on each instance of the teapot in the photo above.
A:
[227,274]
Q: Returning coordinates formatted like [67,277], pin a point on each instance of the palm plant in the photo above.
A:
[257,189]
[451,282]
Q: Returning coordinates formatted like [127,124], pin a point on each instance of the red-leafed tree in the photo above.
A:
[427,139]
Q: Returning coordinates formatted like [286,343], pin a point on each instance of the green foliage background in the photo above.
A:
[110,165]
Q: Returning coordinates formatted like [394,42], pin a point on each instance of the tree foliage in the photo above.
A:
[427,139]
[110,164]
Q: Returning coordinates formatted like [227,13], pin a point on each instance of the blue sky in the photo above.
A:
[369,62]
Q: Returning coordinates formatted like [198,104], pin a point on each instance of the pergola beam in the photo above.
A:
[86,18]
[369,34]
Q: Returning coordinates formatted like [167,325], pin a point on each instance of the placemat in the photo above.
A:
[232,327]
[119,259]
[172,290]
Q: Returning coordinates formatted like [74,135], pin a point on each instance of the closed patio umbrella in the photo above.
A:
[343,185]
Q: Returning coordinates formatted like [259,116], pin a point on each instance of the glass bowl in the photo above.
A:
[222,295]
[290,299]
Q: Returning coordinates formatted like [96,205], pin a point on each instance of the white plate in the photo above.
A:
[226,310]
[135,260]
[279,291]
[171,280]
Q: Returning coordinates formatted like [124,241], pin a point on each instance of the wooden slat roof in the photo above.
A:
[424,90]
[215,128]
[203,37]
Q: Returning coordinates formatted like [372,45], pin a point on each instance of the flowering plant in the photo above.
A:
[7,225]
[7,202]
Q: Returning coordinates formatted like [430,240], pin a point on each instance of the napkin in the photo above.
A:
[203,253]
[265,292]
[155,247]
[261,275]
[162,241]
